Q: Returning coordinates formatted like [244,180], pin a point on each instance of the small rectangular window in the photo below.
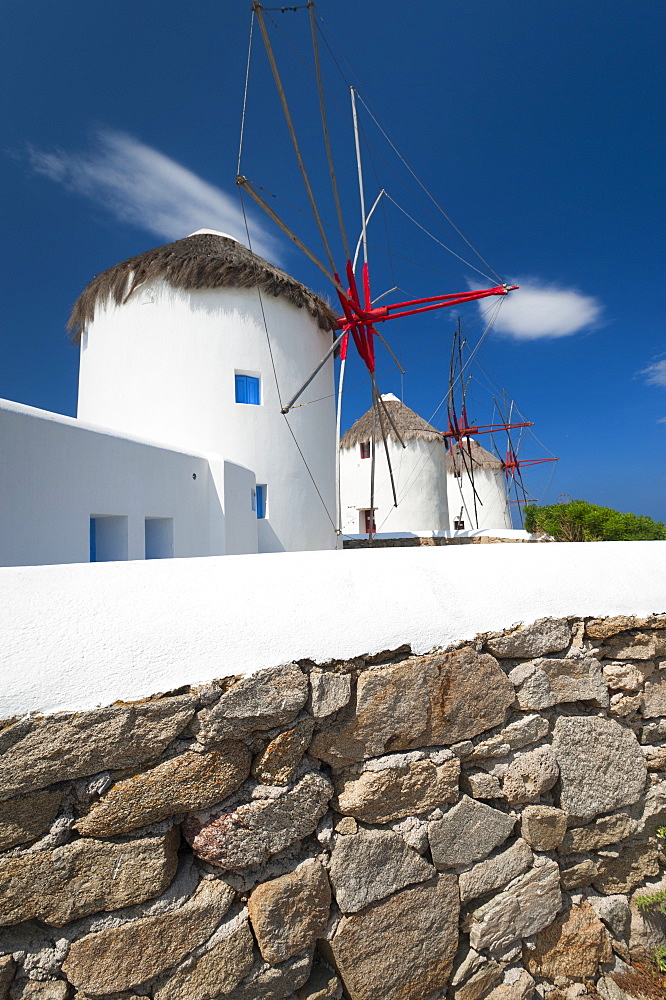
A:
[108,538]
[365,449]
[248,389]
[159,537]
[366,519]
[261,501]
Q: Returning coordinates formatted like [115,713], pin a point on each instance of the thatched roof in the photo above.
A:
[457,464]
[410,425]
[203,260]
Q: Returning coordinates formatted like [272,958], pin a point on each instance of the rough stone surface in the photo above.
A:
[543,827]
[495,871]
[371,865]
[654,695]
[401,948]
[482,979]
[601,628]
[601,765]
[216,971]
[622,675]
[290,912]
[405,789]
[274,982]
[605,830]
[615,913]
[278,762]
[546,682]
[635,646]
[522,988]
[635,864]
[481,785]
[85,877]
[520,733]
[7,969]
[323,983]
[525,906]
[250,833]
[468,832]
[530,775]
[37,751]
[548,635]
[574,945]
[578,870]
[193,780]
[329,692]
[113,960]
[431,701]
[33,989]
[26,818]
[265,700]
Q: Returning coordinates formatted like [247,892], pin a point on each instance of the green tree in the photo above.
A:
[579,521]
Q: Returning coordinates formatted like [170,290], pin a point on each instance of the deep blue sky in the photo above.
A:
[538,128]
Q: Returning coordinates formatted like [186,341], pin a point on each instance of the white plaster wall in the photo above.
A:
[78,636]
[419,472]
[162,366]
[55,473]
[492,508]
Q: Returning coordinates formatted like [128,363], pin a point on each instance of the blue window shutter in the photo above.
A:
[247,389]
[261,501]
[93,540]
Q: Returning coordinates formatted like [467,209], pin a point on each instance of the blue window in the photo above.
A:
[261,501]
[93,540]
[248,389]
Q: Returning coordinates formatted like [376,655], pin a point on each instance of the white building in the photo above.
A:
[188,353]
[419,472]
[476,488]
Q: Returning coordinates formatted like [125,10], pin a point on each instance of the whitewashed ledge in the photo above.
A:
[78,636]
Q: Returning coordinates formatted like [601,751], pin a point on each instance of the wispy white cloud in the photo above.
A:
[538,310]
[655,374]
[143,187]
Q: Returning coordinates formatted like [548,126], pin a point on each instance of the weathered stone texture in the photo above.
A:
[277,763]
[35,752]
[635,864]
[578,870]
[84,877]
[573,945]
[329,692]
[403,788]
[543,827]
[601,765]
[265,700]
[274,982]
[654,695]
[468,832]
[548,635]
[487,975]
[481,785]
[216,971]
[401,948]
[615,913]
[605,830]
[115,959]
[186,783]
[495,871]
[290,912]
[371,865]
[523,731]
[323,983]
[601,628]
[25,818]
[248,834]
[426,702]
[525,906]
[547,682]
[622,675]
[34,989]
[530,775]
[7,969]
[521,988]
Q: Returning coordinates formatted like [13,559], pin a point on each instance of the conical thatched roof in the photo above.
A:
[203,260]
[457,464]
[410,425]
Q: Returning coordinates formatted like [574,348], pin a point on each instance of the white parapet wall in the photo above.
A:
[77,636]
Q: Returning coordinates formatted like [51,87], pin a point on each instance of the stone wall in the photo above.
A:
[473,823]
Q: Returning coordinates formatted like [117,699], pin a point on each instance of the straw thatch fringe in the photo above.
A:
[457,464]
[201,261]
[410,425]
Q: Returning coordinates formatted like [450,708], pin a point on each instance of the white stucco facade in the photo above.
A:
[83,635]
[163,364]
[492,507]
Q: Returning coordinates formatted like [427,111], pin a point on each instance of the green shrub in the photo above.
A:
[579,521]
